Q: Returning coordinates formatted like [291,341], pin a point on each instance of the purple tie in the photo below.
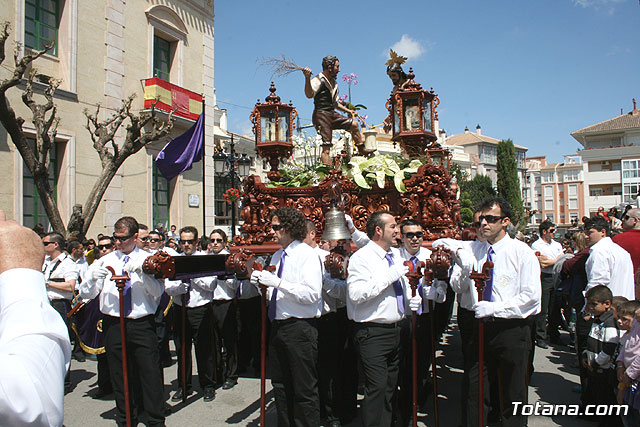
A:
[188,294]
[488,289]
[397,286]
[274,295]
[126,293]
[414,261]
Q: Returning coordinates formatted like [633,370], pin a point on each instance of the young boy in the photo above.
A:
[602,343]
[628,362]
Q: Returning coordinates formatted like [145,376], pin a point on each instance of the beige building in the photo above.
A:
[105,51]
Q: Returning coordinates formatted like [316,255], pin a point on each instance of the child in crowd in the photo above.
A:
[628,362]
[598,357]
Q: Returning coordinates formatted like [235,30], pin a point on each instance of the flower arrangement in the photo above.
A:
[232,195]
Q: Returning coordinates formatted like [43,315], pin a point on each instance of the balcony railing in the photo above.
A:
[170,97]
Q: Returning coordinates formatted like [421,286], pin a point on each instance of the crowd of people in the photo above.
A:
[332,338]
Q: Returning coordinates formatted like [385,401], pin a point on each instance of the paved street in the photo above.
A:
[552,382]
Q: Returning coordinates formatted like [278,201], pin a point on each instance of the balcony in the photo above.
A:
[603,177]
[609,153]
[170,97]
[593,202]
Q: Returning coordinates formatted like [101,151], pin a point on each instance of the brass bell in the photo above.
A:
[334,225]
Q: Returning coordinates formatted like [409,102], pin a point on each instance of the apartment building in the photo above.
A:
[611,161]
[106,50]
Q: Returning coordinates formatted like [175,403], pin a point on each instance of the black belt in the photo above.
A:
[503,320]
[139,319]
[313,321]
[377,325]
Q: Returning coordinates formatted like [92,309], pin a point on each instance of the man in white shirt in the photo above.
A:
[197,293]
[550,251]
[141,296]
[34,343]
[510,301]
[608,264]
[295,304]
[61,276]
[376,301]
[332,339]
[225,317]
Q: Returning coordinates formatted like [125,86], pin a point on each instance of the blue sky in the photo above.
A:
[532,71]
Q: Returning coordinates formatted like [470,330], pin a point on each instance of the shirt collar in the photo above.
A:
[377,249]
[601,242]
[121,254]
[502,243]
[292,247]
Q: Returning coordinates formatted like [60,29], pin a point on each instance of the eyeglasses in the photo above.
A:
[143,239]
[47,243]
[491,219]
[417,235]
[185,242]
[276,227]
[217,240]
[107,246]
[122,238]
[153,240]
[552,230]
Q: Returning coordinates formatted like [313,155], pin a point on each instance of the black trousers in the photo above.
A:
[63,306]
[378,347]
[225,324]
[145,378]
[198,331]
[546,280]
[104,377]
[337,367]
[507,344]
[294,374]
[249,336]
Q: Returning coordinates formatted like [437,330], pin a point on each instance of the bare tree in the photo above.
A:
[141,129]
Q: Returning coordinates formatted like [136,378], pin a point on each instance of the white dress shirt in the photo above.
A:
[461,283]
[200,289]
[82,266]
[516,277]
[370,297]
[66,270]
[224,289]
[299,294]
[34,352]
[423,254]
[610,265]
[145,289]
[551,250]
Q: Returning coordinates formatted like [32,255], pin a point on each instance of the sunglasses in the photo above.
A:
[217,240]
[47,243]
[276,227]
[190,242]
[491,219]
[107,246]
[122,238]
[553,230]
[143,239]
[154,240]
[417,235]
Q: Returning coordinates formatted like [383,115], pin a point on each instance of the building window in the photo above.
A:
[42,20]
[551,217]
[162,58]
[489,155]
[221,207]
[33,212]
[161,199]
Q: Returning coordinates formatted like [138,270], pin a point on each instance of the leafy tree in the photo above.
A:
[508,182]
[478,189]
[140,130]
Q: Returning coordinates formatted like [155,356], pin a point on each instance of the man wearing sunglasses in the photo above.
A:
[156,241]
[629,239]
[141,296]
[225,318]
[294,292]
[197,294]
[510,302]
[550,251]
[143,238]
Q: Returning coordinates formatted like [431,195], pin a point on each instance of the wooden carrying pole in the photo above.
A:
[263,347]
[414,277]
[183,347]
[480,279]
[121,282]
[428,280]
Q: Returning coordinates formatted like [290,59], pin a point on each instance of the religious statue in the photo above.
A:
[398,78]
[323,88]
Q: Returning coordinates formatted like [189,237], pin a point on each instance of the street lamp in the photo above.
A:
[232,166]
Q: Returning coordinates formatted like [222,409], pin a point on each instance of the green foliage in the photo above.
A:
[478,189]
[295,174]
[466,215]
[508,182]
